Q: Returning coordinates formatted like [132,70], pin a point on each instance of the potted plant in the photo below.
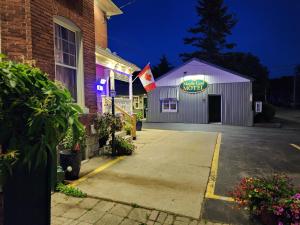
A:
[273,200]
[102,126]
[123,146]
[128,128]
[35,114]
[71,154]
[139,123]
[106,124]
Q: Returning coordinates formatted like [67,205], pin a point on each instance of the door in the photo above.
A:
[145,107]
[214,108]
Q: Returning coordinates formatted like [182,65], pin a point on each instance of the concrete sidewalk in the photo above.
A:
[91,211]
[168,172]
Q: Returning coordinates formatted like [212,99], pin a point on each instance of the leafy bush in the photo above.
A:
[123,146]
[267,114]
[139,116]
[128,128]
[70,143]
[7,160]
[116,123]
[102,125]
[35,113]
[275,195]
[70,191]
[106,124]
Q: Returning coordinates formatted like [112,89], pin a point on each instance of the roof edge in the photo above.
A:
[209,64]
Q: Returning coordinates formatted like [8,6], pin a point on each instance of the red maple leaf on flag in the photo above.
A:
[148,77]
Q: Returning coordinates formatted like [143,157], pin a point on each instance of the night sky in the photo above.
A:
[269,29]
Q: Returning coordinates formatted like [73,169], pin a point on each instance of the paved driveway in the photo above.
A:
[169,172]
[245,151]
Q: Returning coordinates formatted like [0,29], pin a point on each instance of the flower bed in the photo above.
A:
[274,200]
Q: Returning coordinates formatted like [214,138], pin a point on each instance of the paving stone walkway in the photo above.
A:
[90,211]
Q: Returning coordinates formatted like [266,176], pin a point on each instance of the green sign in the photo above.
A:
[193,86]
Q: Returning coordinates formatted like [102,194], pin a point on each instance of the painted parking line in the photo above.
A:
[97,170]
[210,190]
[295,146]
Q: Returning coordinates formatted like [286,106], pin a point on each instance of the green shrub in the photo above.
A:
[35,113]
[70,143]
[123,146]
[128,128]
[139,116]
[268,112]
[70,191]
[106,124]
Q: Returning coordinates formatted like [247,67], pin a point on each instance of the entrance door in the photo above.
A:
[214,108]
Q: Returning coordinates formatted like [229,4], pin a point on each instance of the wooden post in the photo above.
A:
[133,131]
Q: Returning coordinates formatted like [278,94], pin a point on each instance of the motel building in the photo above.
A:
[68,40]
[200,92]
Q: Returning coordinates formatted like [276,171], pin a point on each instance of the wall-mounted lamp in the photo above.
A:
[99,87]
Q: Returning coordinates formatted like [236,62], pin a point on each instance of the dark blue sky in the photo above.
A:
[269,29]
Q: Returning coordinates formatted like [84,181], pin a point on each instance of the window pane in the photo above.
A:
[173,106]
[72,61]
[71,37]
[67,77]
[58,56]
[64,33]
[66,59]
[65,46]
[72,49]
[166,106]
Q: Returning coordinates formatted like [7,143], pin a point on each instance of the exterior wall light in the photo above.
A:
[102,81]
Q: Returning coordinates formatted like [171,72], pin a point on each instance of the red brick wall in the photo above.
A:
[15,29]
[27,33]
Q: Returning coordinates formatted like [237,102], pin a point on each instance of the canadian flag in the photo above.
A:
[147,79]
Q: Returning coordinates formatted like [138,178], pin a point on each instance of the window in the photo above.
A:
[136,102]
[169,105]
[66,58]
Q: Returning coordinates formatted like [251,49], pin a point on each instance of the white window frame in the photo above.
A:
[61,21]
[169,103]
[136,102]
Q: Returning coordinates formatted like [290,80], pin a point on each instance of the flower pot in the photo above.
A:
[268,218]
[139,125]
[26,196]
[102,141]
[70,161]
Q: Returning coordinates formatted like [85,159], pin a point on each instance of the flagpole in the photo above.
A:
[138,75]
[135,78]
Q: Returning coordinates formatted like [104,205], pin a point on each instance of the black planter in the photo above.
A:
[139,125]
[26,196]
[102,141]
[72,159]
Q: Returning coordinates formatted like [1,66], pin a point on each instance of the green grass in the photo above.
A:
[70,191]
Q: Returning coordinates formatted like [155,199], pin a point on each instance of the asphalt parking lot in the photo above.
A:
[245,151]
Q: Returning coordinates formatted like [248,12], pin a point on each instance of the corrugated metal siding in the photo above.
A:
[193,108]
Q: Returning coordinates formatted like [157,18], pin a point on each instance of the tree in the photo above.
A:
[210,33]
[297,86]
[162,67]
[249,65]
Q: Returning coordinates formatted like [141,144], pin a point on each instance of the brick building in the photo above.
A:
[68,40]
